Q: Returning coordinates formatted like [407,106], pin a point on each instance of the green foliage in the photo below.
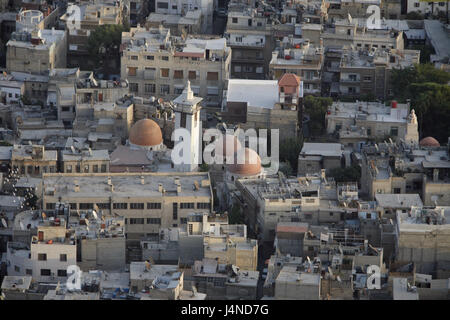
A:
[286,168]
[5,143]
[413,15]
[104,43]
[316,107]
[425,52]
[349,174]
[429,92]
[289,151]
[236,216]
[204,167]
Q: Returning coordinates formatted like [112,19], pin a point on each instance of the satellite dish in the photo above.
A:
[22,227]
[307,258]
[235,269]
[94,214]
[338,279]
[4,223]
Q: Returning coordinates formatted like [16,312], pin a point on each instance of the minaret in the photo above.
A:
[187,115]
[412,129]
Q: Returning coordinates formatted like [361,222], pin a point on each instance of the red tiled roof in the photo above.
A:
[289,79]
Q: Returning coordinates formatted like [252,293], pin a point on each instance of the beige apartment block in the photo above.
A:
[148,201]
[36,52]
[33,160]
[157,64]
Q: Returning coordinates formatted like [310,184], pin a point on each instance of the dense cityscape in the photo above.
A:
[224,150]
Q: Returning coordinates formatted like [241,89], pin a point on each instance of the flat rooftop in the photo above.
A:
[321,149]
[398,200]
[290,274]
[144,271]
[257,93]
[127,185]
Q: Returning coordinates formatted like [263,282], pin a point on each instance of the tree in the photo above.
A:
[236,216]
[349,174]
[289,151]
[413,15]
[104,43]
[316,107]
[429,93]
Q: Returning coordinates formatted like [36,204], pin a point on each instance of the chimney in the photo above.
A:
[77,186]
[178,189]
[160,187]
[142,180]
[109,181]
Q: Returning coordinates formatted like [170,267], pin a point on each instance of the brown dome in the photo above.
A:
[252,165]
[230,145]
[429,142]
[146,133]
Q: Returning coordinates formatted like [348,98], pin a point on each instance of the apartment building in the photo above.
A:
[180,7]
[86,161]
[248,34]
[90,16]
[179,25]
[354,31]
[148,201]
[317,156]
[33,160]
[355,123]
[36,52]
[159,65]
[266,104]
[299,57]
[48,255]
[414,243]
[427,7]
[398,168]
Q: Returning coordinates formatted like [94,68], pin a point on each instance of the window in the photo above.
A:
[150,87]
[367,78]
[163,5]
[134,57]
[165,89]
[237,68]
[203,205]
[212,76]
[45,272]
[103,167]
[441,4]
[86,206]
[183,220]
[153,220]
[238,39]
[63,257]
[136,221]
[134,87]
[16,268]
[394,131]
[42,257]
[150,57]
[105,206]
[137,206]
[65,109]
[234,20]
[122,206]
[213,91]
[178,74]
[132,71]
[95,168]
[178,90]
[175,211]
[50,206]
[165,58]
[153,205]
[29,272]
[416,4]
[187,205]
[62,273]
[397,190]
[192,75]
[73,206]
[259,69]
[164,72]
[86,168]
